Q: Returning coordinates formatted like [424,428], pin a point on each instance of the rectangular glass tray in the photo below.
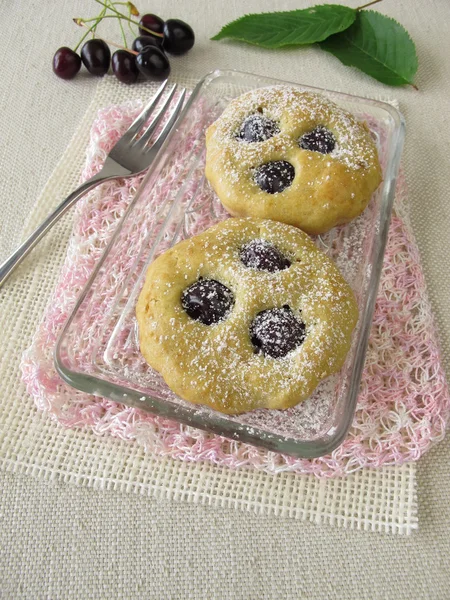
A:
[98,350]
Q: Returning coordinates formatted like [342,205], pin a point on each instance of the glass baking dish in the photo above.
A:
[98,352]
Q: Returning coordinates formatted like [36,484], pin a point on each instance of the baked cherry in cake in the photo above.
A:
[319,139]
[263,256]
[207,301]
[257,128]
[277,331]
[274,177]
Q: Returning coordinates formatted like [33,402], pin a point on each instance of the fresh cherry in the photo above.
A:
[143,41]
[66,63]
[153,63]
[155,24]
[178,36]
[124,66]
[96,56]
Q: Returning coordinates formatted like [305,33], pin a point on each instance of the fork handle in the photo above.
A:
[17,257]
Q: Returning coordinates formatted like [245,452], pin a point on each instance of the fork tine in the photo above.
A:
[157,118]
[170,123]
[140,120]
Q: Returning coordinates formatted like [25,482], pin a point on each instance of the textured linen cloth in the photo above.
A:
[68,542]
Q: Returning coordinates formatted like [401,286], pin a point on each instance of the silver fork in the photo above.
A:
[130,156]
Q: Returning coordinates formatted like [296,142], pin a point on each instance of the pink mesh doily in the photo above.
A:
[403,404]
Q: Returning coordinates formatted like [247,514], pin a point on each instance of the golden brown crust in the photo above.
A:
[216,364]
[328,189]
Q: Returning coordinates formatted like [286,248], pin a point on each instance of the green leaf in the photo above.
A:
[379,46]
[295,27]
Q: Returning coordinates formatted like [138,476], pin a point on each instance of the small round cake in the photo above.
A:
[249,314]
[292,156]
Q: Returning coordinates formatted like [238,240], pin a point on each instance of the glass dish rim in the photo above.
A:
[222,426]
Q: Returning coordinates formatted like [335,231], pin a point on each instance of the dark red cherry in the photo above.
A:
[274,177]
[66,63]
[153,63]
[207,301]
[320,139]
[263,256]
[257,128]
[124,66]
[96,56]
[144,40]
[276,331]
[153,25]
[179,37]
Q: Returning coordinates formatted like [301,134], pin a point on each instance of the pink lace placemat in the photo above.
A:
[404,401]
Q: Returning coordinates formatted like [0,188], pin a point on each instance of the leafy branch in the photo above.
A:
[374,43]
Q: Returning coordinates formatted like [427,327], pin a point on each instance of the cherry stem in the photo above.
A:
[130,7]
[123,33]
[89,30]
[368,4]
[129,24]
[80,23]
[99,18]
[122,16]
[110,5]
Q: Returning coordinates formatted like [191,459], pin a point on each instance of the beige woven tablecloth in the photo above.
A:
[60,541]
